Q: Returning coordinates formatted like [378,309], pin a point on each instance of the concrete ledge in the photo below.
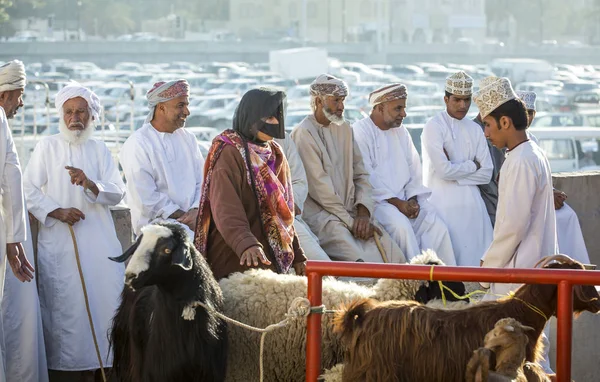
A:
[583,191]
[121,218]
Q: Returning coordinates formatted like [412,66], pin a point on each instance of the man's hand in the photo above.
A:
[477,164]
[360,228]
[253,255]
[19,264]
[176,215]
[79,178]
[414,208]
[559,199]
[189,218]
[300,268]
[67,215]
[363,229]
[297,210]
[409,208]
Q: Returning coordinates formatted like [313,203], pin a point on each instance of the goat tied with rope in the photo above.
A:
[407,341]
[161,332]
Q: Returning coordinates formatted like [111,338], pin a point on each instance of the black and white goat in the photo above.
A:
[158,332]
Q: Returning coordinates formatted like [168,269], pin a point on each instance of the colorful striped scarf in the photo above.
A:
[273,190]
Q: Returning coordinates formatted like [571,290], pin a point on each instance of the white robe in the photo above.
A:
[164,173]
[568,230]
[570,237]
[337,184]
[394,166]
[525,229]
[69,342]
[309,242]
[23,346]
[12,211]
[454,182]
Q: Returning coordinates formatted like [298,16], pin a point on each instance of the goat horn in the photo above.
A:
[560,258]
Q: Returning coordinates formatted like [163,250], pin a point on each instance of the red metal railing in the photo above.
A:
[565,279]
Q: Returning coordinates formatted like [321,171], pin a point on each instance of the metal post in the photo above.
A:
[564,314]
[313,329]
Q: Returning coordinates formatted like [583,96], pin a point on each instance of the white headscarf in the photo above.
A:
[74,90]
[164,92]
[12,76]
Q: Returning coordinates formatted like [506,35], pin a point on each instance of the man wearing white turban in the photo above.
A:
[391,159]
[70,183]
[339,208]
[456,160]
[162,163]
[22,338]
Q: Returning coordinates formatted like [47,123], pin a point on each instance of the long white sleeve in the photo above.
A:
[484,174]
[36,177]
[13,202]
[110,185]
[415,185]
[366,144]
[432,141]
[299,182]
[514,214]
[199,171]
[141,184]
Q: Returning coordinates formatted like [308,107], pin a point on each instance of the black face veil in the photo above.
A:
[255,105]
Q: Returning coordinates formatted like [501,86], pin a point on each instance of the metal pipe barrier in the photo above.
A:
[565,279]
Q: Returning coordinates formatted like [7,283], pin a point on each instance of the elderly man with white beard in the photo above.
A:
[70,183]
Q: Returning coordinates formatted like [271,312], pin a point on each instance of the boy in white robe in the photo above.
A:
[22,337]
[568,230]
[339,208]
[162,163]
[394,166]
[308,240]
[456,160]
[525,229]
[70,182]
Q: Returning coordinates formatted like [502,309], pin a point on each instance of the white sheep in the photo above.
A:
[260,298]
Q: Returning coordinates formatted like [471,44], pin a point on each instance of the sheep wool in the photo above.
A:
[261,298]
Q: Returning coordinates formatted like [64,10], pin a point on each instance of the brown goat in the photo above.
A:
[406,341]
[507,341]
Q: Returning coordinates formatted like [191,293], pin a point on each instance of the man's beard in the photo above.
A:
[76,137]
[333,118]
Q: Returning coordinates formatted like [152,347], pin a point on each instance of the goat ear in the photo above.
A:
[182,256]
[526,328]
[128,253]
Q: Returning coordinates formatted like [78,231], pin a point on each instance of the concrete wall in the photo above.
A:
[583,196]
